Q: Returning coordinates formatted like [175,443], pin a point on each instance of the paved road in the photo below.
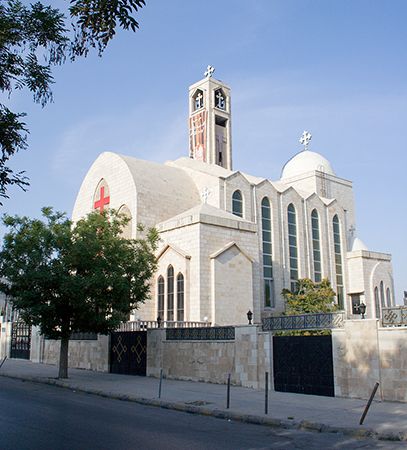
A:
[35,416]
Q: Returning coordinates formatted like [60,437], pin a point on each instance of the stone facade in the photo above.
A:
[364,354]
[246,358]
[82,354]
[190,201]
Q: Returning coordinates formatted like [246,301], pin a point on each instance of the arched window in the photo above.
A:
[220,99]
[377,302]
[338,261]
[316,246]
[198,100]
[101,197]
[382,299]
[160,297]
[127,228]
[180,297]
[267,253]
[292,246]
[237,204]
[170,293]
[388,296]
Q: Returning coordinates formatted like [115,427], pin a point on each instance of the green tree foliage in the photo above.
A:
[66,277]
[310,297]
[29,31]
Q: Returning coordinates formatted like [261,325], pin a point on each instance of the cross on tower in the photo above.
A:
[205,194]
[100,204]
[305,139]
[199,101]
[220,100]
[209,71]
[352,230]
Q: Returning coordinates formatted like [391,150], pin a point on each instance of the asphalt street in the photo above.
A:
[36,416]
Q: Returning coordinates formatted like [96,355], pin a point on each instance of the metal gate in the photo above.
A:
[303,364]
[20,340]
[128,352]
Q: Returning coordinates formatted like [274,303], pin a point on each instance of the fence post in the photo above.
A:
[266,394]
[228,393]
[369,403]
[160,384]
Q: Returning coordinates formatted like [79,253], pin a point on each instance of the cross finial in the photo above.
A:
[352,230]
[205,194]
[209,71]
[305,139]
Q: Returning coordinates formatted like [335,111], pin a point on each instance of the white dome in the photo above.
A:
[358,244]
[304,162]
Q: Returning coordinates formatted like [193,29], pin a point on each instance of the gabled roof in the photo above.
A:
[227,247]
[172,247]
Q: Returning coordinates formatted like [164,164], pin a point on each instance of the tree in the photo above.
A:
[26,32]
[66,277]
[310,297]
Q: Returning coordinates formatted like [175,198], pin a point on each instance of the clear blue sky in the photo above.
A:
[336,68]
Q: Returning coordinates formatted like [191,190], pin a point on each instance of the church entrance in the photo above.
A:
[303,364]
[128,352]
[20,340]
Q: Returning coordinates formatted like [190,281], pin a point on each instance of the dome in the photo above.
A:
[304,162]
[358,244]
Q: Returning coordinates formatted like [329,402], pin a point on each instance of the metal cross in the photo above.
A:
[305,139]
[199,101]
[205,194]
[209,71]
[221,100]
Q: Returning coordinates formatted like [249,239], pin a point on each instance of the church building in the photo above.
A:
[230,242]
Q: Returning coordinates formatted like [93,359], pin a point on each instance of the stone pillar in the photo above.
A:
[356,358]
[155,349]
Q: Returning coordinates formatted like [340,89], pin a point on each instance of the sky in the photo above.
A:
[337,68]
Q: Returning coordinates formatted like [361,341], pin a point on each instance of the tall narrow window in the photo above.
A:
[170,293]
[180,297]
[316,246]
[377,302]
[237,203]
[388,296]
[292,246]
[382,299]
[338,261]
[160,297]
[267,253]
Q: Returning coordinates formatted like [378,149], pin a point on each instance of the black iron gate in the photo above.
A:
[128,352]
[20,340]
[303,364]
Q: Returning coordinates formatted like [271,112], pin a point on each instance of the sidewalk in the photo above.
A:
[385,420]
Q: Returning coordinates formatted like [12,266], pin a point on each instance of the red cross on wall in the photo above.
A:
[100,204]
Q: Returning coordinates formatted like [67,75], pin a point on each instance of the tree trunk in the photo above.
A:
[63,358]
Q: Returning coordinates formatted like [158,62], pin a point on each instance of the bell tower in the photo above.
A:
[210,121]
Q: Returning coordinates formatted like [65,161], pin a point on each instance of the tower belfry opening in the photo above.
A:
[210,121]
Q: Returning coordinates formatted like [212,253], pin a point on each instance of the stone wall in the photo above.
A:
[83,354]
[365,354]
[246,358]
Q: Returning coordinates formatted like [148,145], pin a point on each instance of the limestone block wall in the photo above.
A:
[246,358]
[86,354]
[364,354]
[5,339]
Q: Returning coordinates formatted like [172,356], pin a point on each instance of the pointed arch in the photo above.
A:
[180,297]
[267,247]
[338,260]
[170,293]
[316,246]
[160,297]
[237,203]
[292,245]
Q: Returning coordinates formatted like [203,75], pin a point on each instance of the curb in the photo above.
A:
[305,425]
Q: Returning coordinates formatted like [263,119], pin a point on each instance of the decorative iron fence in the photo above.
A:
[396,316]
[201,334]
[79,336]
[320,321]
[142,325]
